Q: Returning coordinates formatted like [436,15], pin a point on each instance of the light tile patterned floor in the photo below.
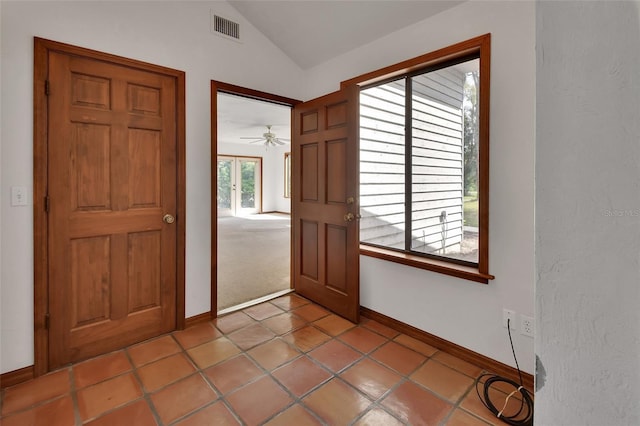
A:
[283,362]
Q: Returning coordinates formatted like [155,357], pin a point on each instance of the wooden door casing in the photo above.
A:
[114,167]
[326,242]
[221,87]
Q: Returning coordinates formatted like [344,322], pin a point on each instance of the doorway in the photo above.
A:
[251,231]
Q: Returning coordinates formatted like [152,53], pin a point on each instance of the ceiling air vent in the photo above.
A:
[225,27]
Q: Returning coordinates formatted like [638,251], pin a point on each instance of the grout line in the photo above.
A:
[301,354]
[458,406]
[74,396]
[40,403]
[205,377]
[311,412]
[146,396]
[374,403]
[198,409]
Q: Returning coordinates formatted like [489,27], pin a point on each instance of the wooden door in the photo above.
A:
[325,202]
[112,195]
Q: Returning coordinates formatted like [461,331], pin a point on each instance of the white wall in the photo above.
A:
[172,34]
[272,172]
[588,213]
[464,312]
[175,34]
[281,203]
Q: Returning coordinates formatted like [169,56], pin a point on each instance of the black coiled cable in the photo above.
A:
[524,415]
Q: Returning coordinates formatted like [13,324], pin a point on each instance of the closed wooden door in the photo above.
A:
[325,202]
[112,191]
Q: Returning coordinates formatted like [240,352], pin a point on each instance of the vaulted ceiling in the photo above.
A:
[311,32]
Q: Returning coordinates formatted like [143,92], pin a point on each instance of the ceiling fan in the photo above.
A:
[268,138]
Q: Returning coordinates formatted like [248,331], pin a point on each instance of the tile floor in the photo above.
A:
[283,362]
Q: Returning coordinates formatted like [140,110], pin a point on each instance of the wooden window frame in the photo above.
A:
[480,46]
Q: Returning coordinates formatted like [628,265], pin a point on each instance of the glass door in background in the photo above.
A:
[239,185]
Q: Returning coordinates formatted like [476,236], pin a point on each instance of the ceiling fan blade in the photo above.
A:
[256,141]
[255,137]
[279,142]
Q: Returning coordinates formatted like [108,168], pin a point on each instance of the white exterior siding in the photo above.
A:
[437,177]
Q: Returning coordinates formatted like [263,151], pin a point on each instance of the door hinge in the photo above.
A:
[47,320]
[46,87]
[46,203]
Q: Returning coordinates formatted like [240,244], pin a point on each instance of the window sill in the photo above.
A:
[459,271]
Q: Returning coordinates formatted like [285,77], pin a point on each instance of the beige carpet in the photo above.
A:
[253,257]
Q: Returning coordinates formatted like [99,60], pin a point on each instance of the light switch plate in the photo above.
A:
[19,196]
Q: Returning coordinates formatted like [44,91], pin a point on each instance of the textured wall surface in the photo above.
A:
[588,213]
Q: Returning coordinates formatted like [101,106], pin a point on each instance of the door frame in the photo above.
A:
[42,48]
[231,89]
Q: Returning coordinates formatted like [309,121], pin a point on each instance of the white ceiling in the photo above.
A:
[240,117]
[311,32]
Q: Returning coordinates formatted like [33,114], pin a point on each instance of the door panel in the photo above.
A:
[90,183]
[144,168]
[144,249]
[337,274]
[326,241]
[112,176]
[90,274]
[336,171]
[309,172]
[309,259]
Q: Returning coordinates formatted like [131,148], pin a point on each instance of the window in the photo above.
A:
[287,175]
[424,166]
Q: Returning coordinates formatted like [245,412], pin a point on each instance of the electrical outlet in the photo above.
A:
[526,325]
[508,314]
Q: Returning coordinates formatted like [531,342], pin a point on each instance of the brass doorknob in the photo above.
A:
[167,218]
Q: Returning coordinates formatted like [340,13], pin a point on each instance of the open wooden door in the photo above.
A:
[325,202]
